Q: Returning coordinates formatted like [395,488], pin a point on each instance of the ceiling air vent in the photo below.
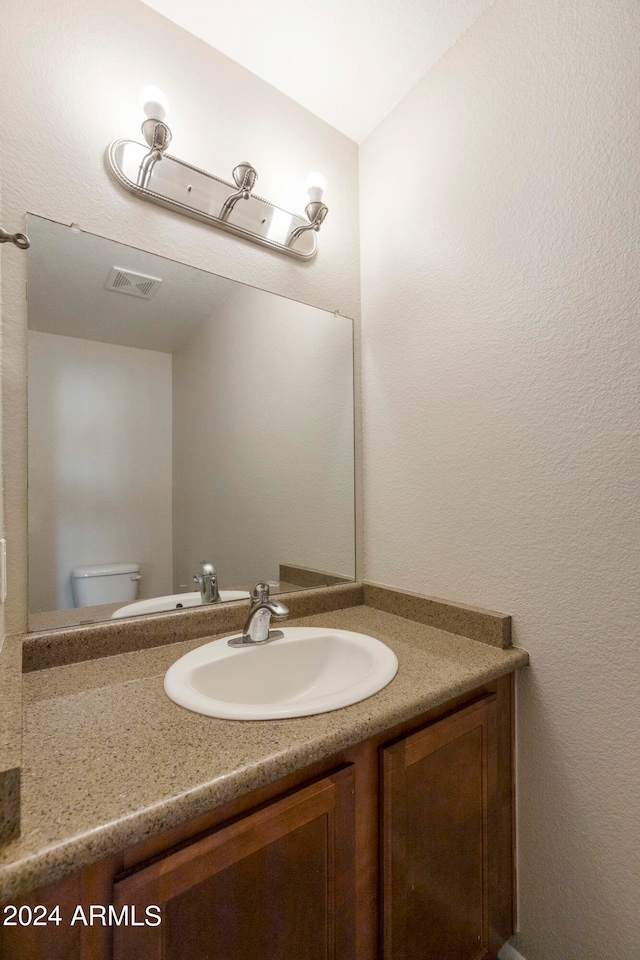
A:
[135,284]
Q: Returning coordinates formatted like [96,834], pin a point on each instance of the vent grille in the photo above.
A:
[134,284]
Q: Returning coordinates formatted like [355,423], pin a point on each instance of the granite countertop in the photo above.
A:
[109,760]
[10,727]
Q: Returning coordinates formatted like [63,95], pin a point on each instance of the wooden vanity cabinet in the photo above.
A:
[439,797]
[400,848]
[278,882]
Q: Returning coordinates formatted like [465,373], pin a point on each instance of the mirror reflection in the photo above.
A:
[181,425]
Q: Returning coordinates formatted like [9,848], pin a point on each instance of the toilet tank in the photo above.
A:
[105,583]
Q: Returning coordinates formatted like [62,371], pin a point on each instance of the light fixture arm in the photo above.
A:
[158,137]
[316,213]
[245,177]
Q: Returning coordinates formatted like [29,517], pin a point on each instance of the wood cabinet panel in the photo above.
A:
[53,942]
[254,909]
[439,797]
[279,882]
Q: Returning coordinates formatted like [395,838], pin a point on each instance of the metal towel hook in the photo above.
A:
[19,239]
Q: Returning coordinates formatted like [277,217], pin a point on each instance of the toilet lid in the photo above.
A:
[105,570]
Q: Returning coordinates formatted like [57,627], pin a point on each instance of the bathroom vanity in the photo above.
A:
[384,829]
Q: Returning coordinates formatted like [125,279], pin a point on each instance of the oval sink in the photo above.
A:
[174,602]
[310,670]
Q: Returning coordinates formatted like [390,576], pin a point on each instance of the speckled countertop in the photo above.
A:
[109,760]
[10,726]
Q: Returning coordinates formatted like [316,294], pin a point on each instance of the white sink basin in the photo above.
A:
[175,602]
[310,670]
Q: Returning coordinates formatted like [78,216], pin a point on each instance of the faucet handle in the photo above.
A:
[260,590]
[208,568]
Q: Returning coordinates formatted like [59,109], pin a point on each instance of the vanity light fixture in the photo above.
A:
[152,174]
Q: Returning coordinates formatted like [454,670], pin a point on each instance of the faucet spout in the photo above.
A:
[256,628]
[208,583]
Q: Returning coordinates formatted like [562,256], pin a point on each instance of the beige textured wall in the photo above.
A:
[11,252]
[99,464]
[70,77]
[500,234]
[263,408]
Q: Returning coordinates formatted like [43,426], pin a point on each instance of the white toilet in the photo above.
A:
[105,583]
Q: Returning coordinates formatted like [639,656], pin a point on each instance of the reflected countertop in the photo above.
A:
[83,616]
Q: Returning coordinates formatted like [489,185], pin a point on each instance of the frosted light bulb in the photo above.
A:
[154,103]
[315,185]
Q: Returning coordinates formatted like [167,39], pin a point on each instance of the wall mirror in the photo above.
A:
[178,417]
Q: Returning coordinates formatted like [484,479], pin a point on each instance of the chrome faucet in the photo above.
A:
[208,583]
[256,628]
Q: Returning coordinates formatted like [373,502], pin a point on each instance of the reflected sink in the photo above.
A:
[309,670]
[174,602]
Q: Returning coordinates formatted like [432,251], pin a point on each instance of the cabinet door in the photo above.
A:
[439,789]
[276,884]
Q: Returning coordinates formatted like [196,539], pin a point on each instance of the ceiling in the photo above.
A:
[347,61]
[66,275]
